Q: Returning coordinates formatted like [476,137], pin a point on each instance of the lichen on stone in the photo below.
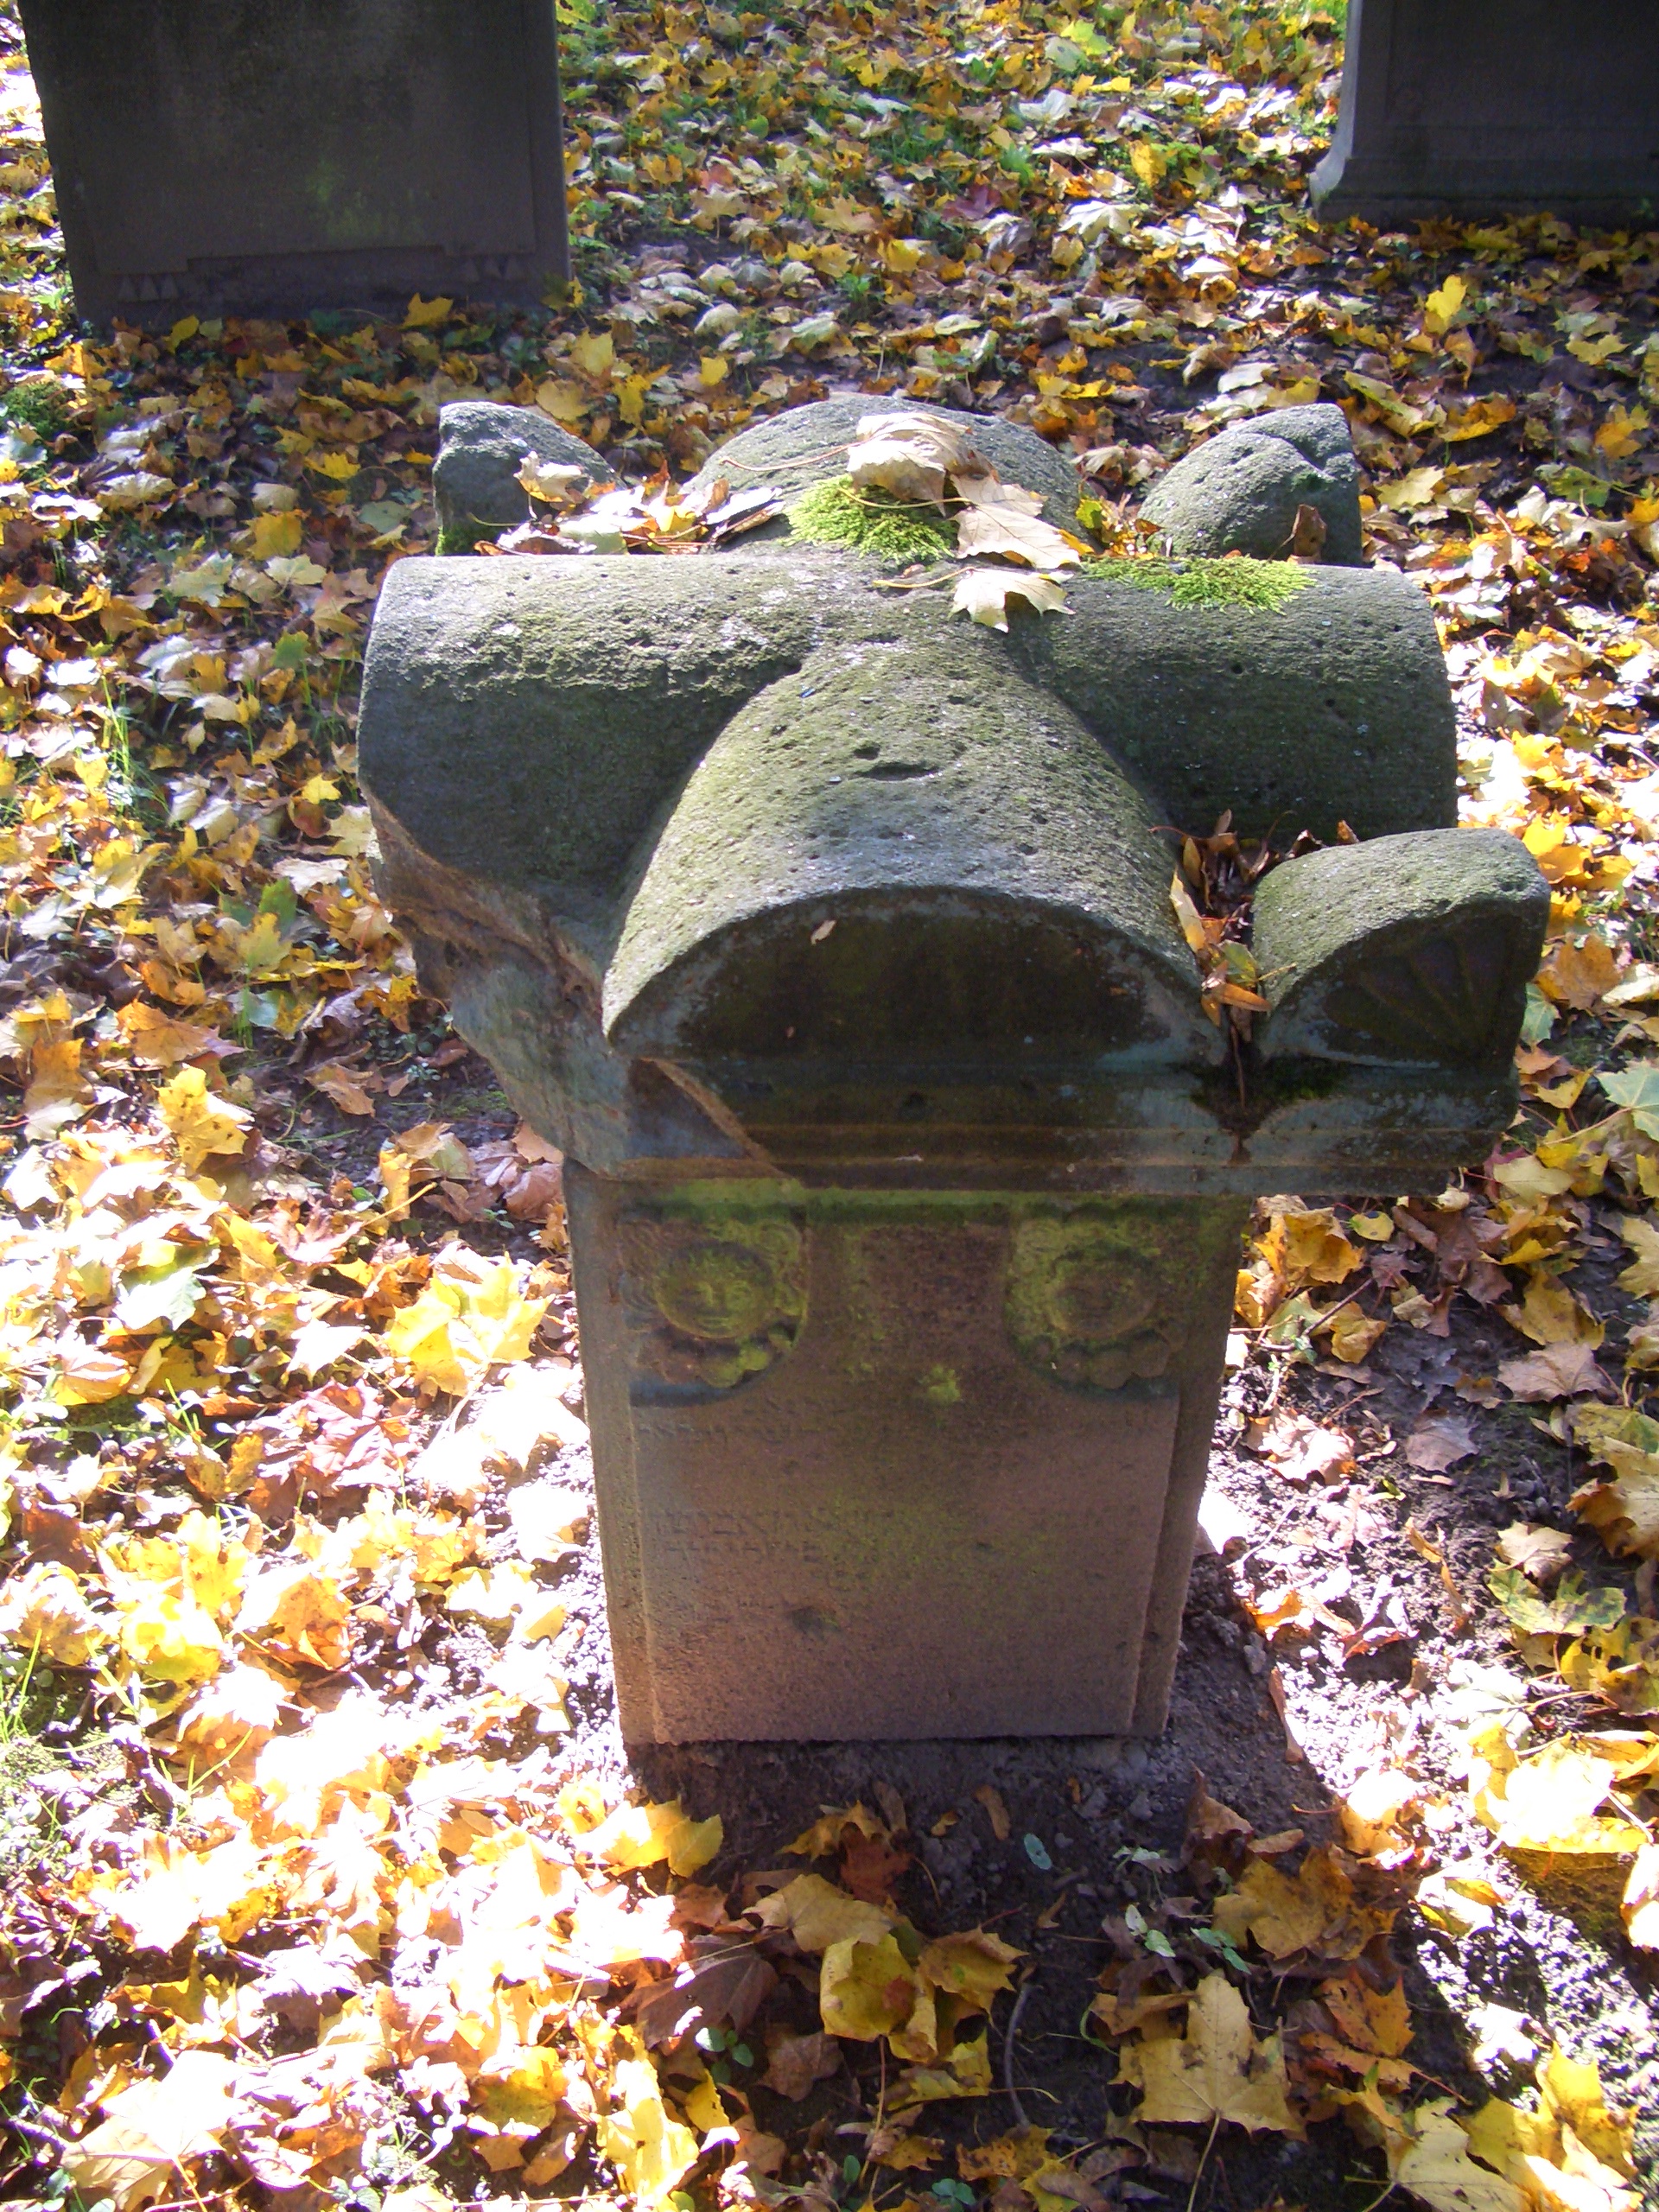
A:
[873,522]
[1233,581]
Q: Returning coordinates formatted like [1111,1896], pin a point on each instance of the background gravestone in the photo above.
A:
[271,157]
[1483,107]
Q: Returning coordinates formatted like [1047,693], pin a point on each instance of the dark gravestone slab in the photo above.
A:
[269,158]
[1478,107]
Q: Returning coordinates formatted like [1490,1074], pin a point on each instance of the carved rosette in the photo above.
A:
[1088,1303]
[710,1302]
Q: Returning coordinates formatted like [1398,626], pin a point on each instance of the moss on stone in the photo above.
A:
[463,537]
[1230,582]
[874,522]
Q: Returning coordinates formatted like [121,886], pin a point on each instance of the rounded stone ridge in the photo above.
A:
[481,448]
[1239,491]
[808,445]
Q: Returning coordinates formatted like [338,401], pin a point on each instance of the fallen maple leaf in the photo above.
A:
[984,594]
[909,455]
[1020,536]
[1218,2070]
[816,1914]
[1560,1370]
[1439,1441]
[153,2130]
[202,1125]
[796,2063]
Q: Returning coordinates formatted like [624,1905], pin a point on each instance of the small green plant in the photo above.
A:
[857,288]
[37,404]
[1232,582]
[873,522]
[13,1699]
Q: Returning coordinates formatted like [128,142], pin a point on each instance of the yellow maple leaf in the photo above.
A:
[45,1611]
[1434,2163]
[817,1914]
[649,2151]
[973,1967]
[1442,308]
[1217,2070]
[427,314]
[278,537]
[58,1093]
[201,1124]
[647,1835]
[458,1327]
[297,1612]
[1552,1800]
[1315,1908]
[869,1990]
[1641,1278]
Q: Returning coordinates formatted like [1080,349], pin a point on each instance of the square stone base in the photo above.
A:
[896,1466]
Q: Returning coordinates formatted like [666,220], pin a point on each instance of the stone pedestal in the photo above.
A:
[831,940]
[897,1464]
[1488,107]
[271,157]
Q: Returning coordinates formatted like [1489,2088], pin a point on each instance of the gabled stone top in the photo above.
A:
[749,859]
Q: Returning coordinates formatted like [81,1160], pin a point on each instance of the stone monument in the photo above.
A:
[831,939]
[271,157]
[1492,107]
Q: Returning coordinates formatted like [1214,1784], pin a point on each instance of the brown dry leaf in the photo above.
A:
[1440,1440]
[1561,1371]
[1369,2019]
[991,1799]
[796,2063]
[348,1087]
[1578,975]
[1541,1553]
[1625,1512]
[1217,2070]
[1313,1910]
[908,455]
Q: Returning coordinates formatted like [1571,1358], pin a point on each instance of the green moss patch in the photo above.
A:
[874,522]
[1231,582]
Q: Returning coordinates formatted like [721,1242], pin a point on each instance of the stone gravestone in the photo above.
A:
[1489,107]
[831,939]
[271,157]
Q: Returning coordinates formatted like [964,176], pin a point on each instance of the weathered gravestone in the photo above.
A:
[1487,107]
[831,939]
[269,157]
